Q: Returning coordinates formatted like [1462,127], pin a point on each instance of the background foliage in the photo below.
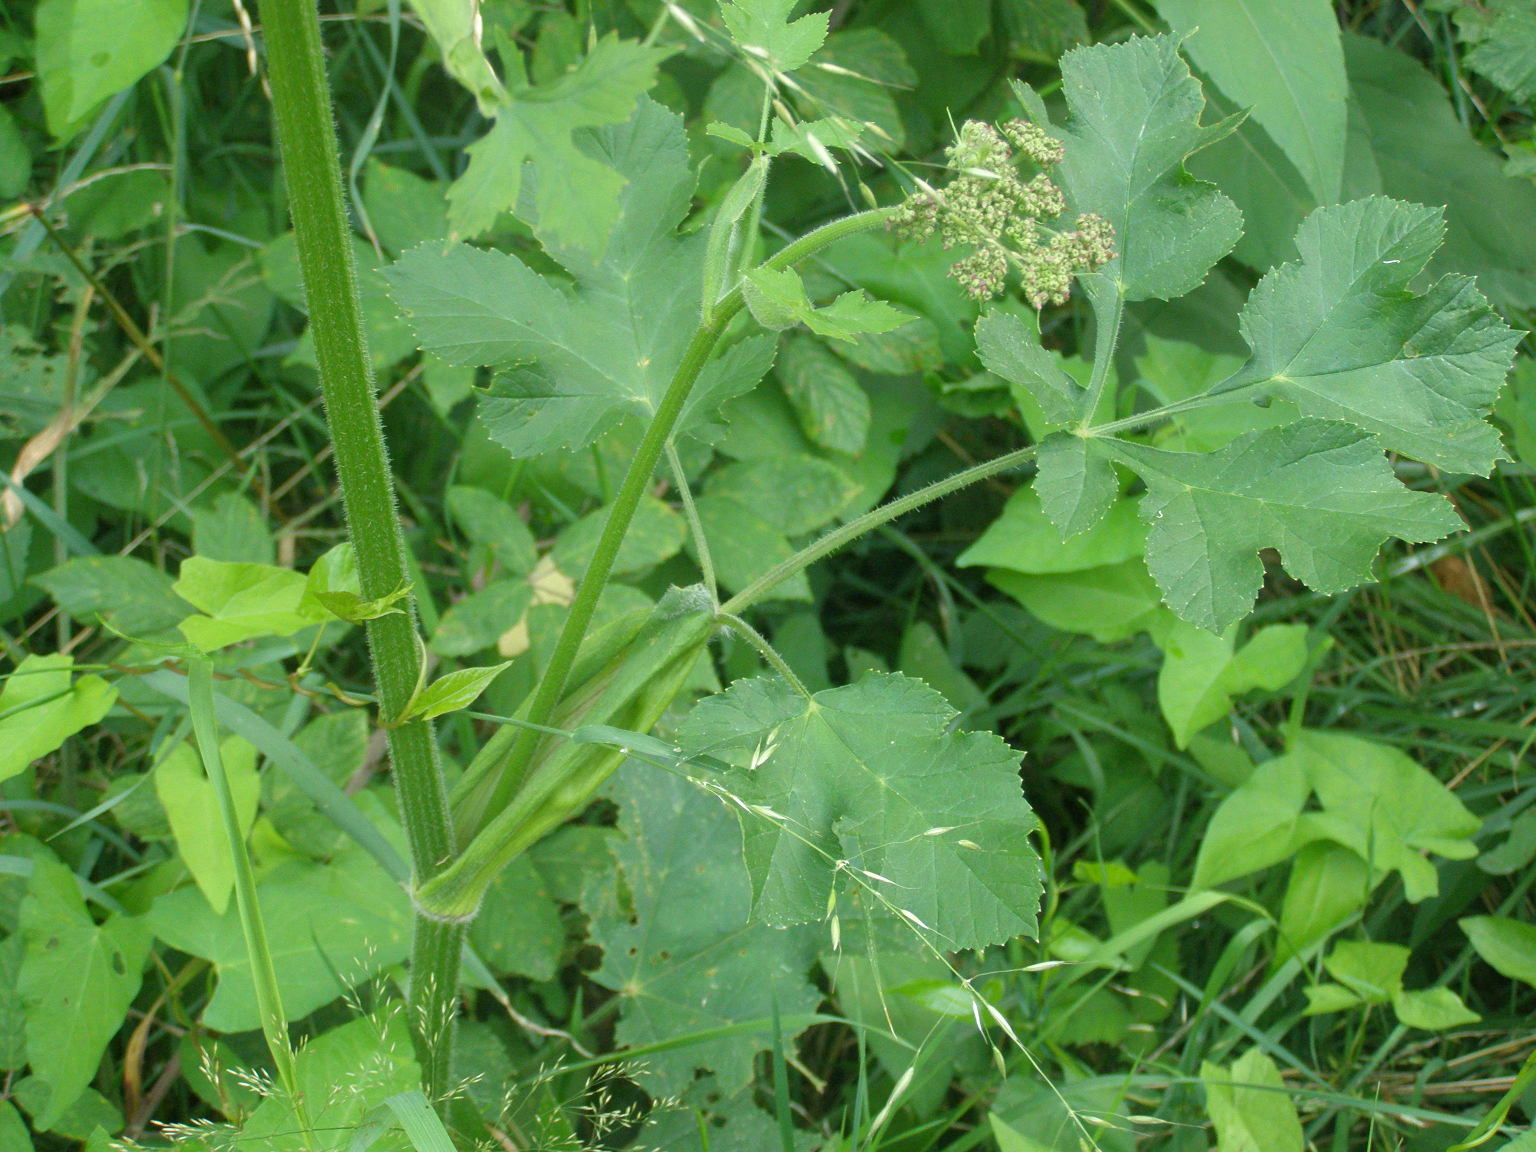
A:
[1285,845]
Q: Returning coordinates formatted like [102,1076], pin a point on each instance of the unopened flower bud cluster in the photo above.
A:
[993,210]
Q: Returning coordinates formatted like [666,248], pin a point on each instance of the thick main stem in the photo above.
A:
[308,146]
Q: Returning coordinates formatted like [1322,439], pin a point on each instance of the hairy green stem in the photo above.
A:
[871,520]
[764,649]
[308,146]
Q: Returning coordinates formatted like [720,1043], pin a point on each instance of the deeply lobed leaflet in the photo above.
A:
[991,208]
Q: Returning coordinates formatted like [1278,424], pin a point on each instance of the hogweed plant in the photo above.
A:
[988,207]
[864,796]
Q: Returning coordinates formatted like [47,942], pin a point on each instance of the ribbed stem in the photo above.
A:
[308,146]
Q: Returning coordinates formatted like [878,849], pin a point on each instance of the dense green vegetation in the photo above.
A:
[743,575]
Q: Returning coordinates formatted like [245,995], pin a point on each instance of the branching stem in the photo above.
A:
[657,436]
[872,519]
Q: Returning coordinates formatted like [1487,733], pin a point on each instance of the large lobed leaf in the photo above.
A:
[1319,492]
[576,194]
[575,362]
[1362,360]
[867,785]
[764,31]
[1135,120]
[684,956]
[1342,335]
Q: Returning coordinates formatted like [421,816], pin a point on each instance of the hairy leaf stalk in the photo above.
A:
[308,146]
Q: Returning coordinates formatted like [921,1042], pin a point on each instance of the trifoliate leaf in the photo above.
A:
[866,787]
[764,31]
[685,955]
[1319,492]
[574,363]
[1341,335]
[1135,118]
[778,300]
[1380,803]
[577,194]
[1372,973]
